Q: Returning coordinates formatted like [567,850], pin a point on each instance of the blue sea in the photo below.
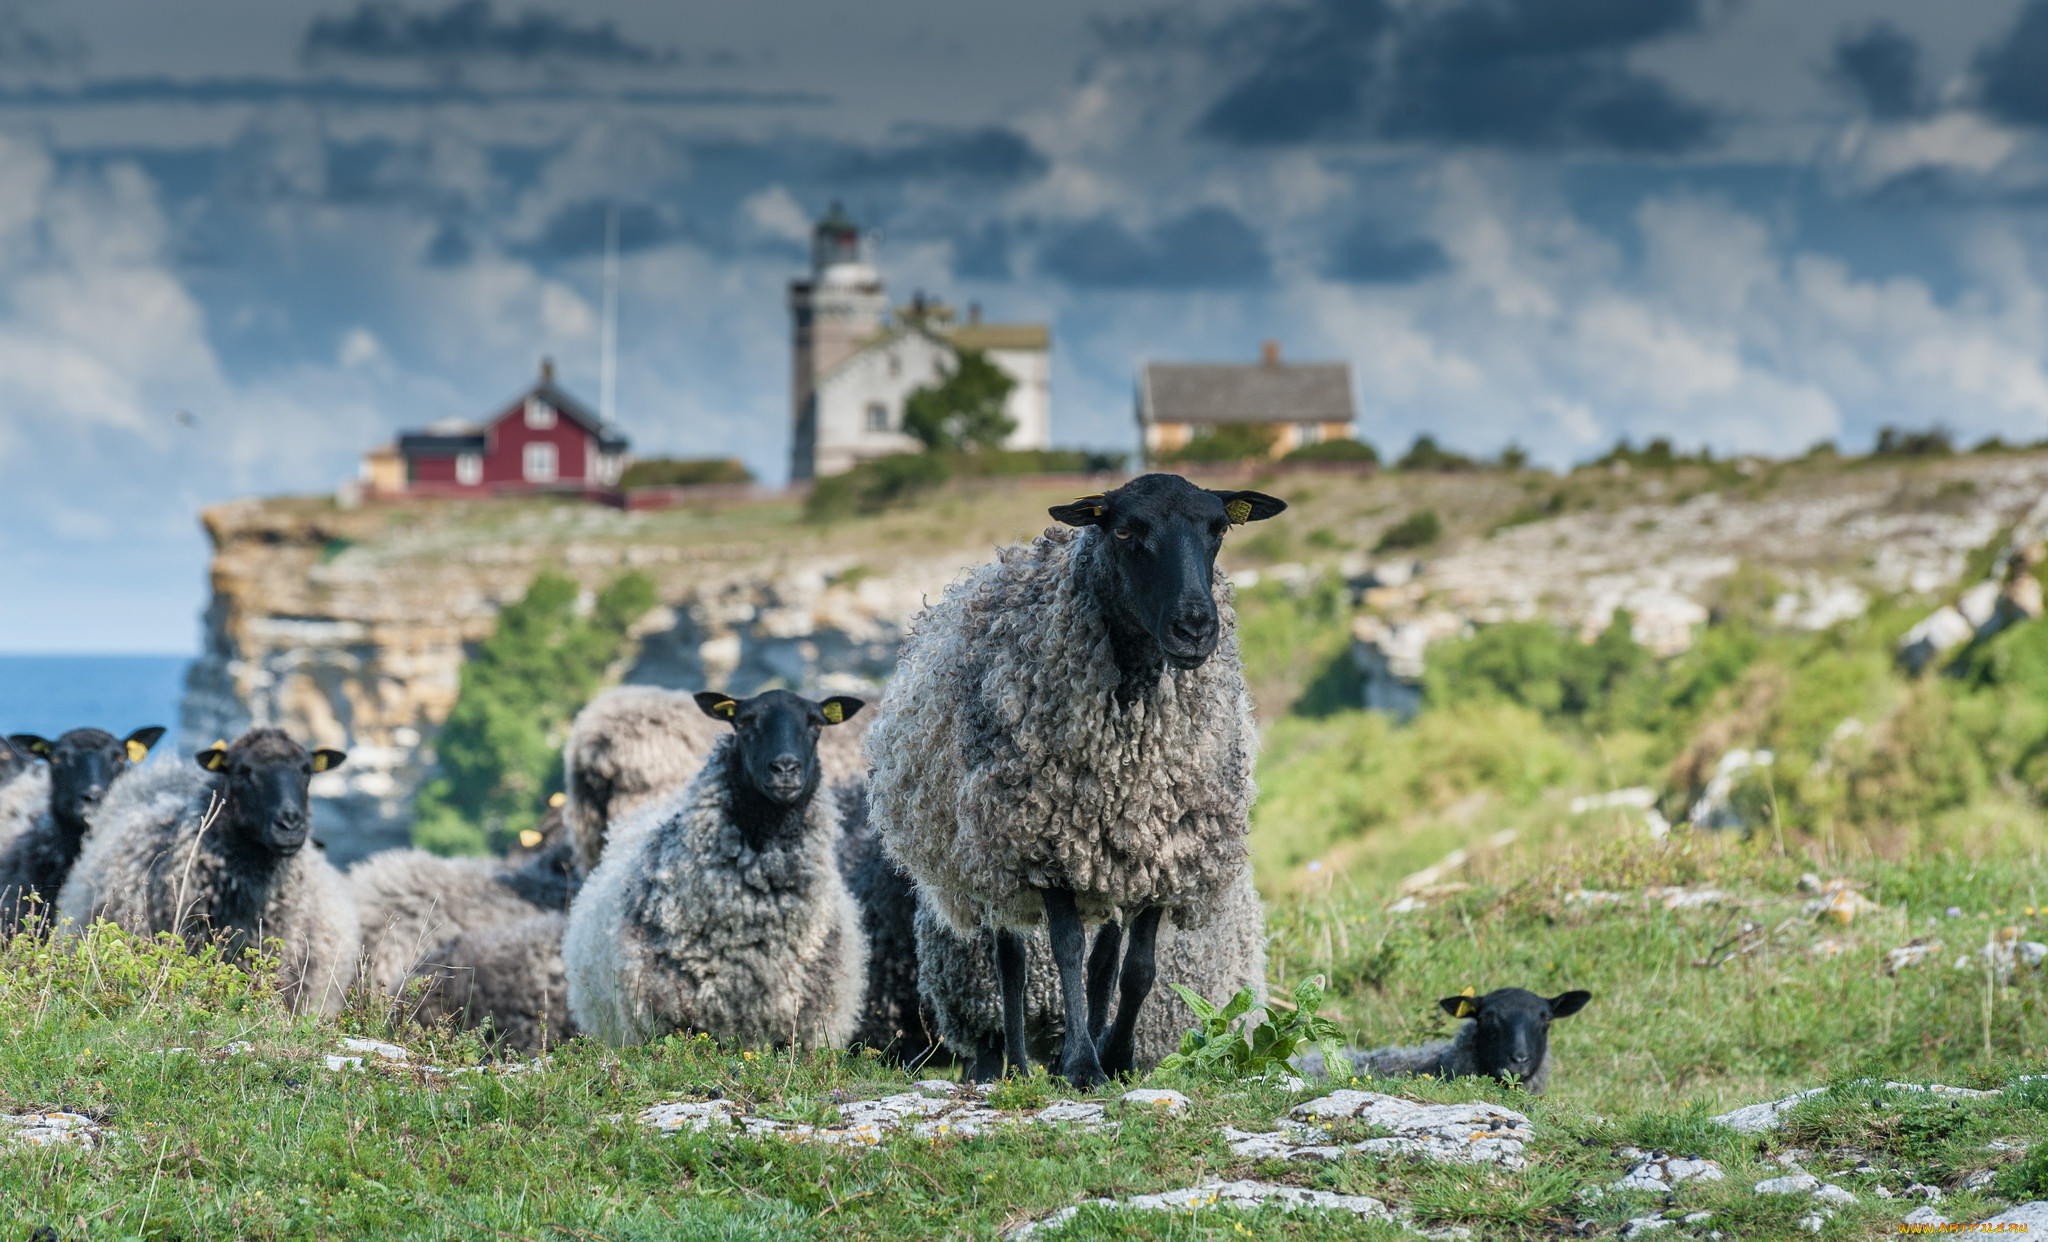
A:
[50,694]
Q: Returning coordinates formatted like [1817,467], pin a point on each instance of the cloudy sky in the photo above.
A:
[1754,224]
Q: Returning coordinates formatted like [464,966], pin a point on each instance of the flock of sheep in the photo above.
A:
[1067,743]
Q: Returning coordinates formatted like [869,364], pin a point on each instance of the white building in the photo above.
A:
[853,366]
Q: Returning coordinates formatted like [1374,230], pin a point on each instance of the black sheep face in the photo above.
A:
[1164,533]
[1513,1027]
[84,764]
[777,738]
[266,778]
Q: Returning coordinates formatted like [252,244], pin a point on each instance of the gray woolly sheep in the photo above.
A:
[508,977]
[217,851]
[1068,735]
[894,1018]
[958,980]
[409,901]
[634,745]
[43,823]
[1508,1035]
[729,916]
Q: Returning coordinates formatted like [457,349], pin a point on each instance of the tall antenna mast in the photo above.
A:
[608,343]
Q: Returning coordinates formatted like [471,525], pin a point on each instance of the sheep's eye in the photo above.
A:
[1121,533]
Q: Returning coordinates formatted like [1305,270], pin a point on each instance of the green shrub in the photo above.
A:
[1221,1046]
[1335,450]
[1418,530]
[1895,442]
[964,410]
[1227,442]
[685,472]
[1426,456]
[873,486]
[499,754]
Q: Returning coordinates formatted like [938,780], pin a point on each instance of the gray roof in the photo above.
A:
[1256,392]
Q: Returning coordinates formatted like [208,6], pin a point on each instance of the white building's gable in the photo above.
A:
[860,402]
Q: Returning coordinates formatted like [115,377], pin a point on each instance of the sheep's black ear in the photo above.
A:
[1242,507]
[30,744]
[328,760]
[1085,511]
[718,706]
[1465,1006]
[140,741]
[1568,1004]
[213,758]
[841,708]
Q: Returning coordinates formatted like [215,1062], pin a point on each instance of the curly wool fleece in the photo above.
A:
[685,926]
[152,864]
[1004,762]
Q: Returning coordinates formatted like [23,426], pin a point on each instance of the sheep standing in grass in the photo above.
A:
[508,977]
[217,851]
[729,916]
[1507,1036]
[636,745]
[958,980]
[409,901]
[1069,737]
[43,821]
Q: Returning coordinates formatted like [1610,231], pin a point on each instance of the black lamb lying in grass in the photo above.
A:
[43,814]
[1506,1037]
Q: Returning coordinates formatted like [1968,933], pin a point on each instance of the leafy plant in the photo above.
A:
[873,486]
[1417,530]
[1223,1046]
[500,751]
[965,410]
[685,472]
[1228,442]
[1335,450]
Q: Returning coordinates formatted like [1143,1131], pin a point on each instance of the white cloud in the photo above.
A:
[775,213]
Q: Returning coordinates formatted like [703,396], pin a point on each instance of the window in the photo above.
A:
[878,417]
[1308,433]
[539,463]
[895,365]
[469,469]
[539,414]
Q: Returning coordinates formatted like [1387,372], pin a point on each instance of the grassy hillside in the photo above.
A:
[1403,862]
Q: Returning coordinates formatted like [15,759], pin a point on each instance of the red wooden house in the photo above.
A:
[546,441]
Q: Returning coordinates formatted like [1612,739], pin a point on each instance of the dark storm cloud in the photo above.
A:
[470,30]
[983,254]
[1500,73]
[2013,72]
[1209,247]
[25,45]
[577,230]
[992,154]
[1880,65]
[1370,254]
[329,91]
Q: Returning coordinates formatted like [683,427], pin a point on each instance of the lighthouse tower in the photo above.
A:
[838,309]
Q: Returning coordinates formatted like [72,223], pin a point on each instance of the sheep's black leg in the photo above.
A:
[987,1065]
[1102,959]
[1010,971]
[1119,1047]
[1079,1064]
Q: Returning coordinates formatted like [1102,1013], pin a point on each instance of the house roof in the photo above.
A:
[1258,392]
[609,438]
[448,437]
[1000,335]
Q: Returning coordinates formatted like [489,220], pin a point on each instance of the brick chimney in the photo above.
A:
[1269,353]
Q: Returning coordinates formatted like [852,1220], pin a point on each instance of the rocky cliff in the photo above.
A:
[349,627]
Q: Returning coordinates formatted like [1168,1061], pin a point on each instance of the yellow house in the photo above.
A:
[1305,402]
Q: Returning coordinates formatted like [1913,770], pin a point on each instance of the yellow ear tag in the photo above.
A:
[1238,511]
[528,838]
[1099,510]
[834,713]
[137,752]
[219,744]
[728,709]
[1469,991]
[1466,1009]
[319,762]
[556,799]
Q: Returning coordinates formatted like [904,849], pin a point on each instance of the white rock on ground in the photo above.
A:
[1473,1133]
[1172,1103]
[2033,1215]
[49,1130]
[1645,1224]
[1218,1194]
[1924,1215]
[1757,1118]
[1792,1184]
[1659,1173]
[930,1115]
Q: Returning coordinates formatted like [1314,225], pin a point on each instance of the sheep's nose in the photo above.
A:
[93,793]
[1193,629]
[786,766]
